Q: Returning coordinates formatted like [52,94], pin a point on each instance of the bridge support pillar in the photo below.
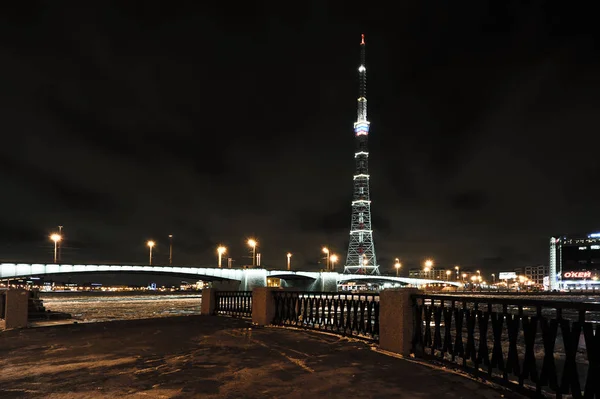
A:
[15,305]
[396,320]
[209,302]
[253,278]
[327,282]
[263,306]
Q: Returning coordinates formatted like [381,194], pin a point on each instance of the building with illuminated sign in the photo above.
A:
[575,261]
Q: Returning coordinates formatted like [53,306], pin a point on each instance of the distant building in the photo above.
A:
[433,274]
[574,261]
[537,273]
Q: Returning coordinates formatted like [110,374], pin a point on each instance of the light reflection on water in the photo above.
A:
[93,307]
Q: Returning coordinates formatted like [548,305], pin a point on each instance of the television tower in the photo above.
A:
[361,249]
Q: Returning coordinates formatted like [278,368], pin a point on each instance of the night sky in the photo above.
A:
[129,123]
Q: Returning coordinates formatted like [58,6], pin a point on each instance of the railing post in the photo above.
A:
[263,306]
[396,319]
[209,302]
[16,307]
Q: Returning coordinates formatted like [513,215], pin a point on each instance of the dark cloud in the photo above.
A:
[472,200]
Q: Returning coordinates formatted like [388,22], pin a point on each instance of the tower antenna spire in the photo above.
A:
[361,249]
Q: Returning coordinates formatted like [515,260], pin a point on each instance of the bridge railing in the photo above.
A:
[532,346]
[233,303]
[345,314]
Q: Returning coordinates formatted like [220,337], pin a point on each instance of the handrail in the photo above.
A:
[340,313]
[532,346]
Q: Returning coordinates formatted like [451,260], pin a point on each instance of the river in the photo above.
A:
[95,307]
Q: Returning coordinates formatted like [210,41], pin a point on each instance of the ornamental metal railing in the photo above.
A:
[345,314]
[233,303]
[536,347]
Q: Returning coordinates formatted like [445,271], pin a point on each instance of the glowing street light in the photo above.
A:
[457,268]
[221,250]
[397,265]
[464,276]
[289,261]
[326,252]
[448,272]
[56,238]
[150,245]
[252,244]
[428,267]
[333,258]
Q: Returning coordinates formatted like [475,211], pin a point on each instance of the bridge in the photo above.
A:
[234,279]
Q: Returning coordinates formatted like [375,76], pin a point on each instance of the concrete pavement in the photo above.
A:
[211,357]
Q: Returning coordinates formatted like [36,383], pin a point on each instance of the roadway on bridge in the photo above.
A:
[211,357]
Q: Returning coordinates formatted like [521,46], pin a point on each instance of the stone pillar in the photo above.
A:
[209,302]
[2,303]
[263,306]
[396,320]
[16,308]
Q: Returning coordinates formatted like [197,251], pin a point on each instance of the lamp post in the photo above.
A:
[457,268]
[397,265]
[151,245]
[252,244]
[60,243]
[221,250]
[448,273]
[493,278]
[56,238]
[326,252]
[428,267]
[170,249]
[289,261]
[332,259]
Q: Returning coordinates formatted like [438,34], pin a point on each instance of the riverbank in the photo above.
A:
[210,357]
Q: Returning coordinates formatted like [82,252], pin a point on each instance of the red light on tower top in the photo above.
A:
[363,39]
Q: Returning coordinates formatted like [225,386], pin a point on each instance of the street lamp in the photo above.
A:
[333,258]
[448,272]
[397,265]
[60,228]
[151,245]
[56,238]
[252,243]
[170,249]
[289,261]
[221,250]
[428,267]
[464,276]
[326,252]
[457,268]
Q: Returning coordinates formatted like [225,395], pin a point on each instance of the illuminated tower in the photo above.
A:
[361,250]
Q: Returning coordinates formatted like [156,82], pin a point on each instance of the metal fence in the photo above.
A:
[345,314]
[533,346]
[233,303]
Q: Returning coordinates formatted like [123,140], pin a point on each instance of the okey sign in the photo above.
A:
[577,275]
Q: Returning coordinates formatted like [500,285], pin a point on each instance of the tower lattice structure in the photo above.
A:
[361,249]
